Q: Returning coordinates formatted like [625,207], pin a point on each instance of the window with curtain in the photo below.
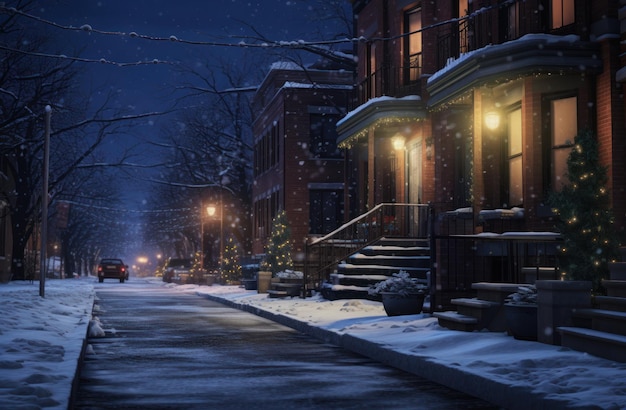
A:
[564,127]
[413,44]
[562,13]
[463,27]
[514,158]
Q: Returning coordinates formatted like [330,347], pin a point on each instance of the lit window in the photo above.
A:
[564,127]
[562,13]
[413,43]
[514,130]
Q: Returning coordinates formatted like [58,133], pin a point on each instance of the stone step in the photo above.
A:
[396,250]
[373,269]
[388,260]
[455,321]
[494,292]
[603,320]
[356,280]
[610,303]
[273,293]
[616,288]
[487,313]
[337,292]
[617,270]
[602,344]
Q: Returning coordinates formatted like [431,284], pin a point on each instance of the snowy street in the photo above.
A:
[41,338]
[166,349]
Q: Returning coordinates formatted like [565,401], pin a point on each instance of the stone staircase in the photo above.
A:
[372,264]
[485,311]
[601,330]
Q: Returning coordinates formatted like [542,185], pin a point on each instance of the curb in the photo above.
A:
[486,389]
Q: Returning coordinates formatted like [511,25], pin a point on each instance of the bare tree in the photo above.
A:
[29,83]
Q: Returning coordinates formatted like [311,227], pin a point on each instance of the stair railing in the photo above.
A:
[322,255]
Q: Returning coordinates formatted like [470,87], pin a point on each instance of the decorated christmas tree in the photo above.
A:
[585,218]
[231,269]
[278,248]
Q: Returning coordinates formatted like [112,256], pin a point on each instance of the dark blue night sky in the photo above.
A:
[148,87]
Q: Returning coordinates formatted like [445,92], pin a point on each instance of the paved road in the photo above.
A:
[167,350]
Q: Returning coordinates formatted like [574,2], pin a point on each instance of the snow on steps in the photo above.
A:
[602,344]
[601,331]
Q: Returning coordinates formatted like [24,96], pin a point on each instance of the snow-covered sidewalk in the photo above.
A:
[41,340]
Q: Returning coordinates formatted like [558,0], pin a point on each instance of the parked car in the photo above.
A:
[112,268]
[177,270]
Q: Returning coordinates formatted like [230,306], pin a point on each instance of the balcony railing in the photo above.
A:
[391,81]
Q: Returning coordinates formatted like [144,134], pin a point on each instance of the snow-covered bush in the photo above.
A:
[400,282]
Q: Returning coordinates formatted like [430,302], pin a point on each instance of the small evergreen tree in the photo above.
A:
[585,218]
[278,248]
[231,269]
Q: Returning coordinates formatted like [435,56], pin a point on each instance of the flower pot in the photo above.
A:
[521,320]
[396,304]
[264,278]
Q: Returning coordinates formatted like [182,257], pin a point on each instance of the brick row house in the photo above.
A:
[487,97]
[470,107]
[297,165]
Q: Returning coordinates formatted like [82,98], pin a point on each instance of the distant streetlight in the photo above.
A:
[212,211]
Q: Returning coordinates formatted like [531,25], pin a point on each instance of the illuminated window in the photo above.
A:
[413,43]
[514,157]
[562,13]
[464,32]
[564,127]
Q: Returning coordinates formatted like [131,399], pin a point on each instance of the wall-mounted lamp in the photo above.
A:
[492,120]
[429,148]
[398,142]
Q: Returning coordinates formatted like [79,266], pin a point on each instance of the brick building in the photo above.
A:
[297,165]
[474,105]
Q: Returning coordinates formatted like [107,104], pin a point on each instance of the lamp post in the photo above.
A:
[212,211]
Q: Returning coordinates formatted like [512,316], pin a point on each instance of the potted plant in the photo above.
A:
[520,309]
[401,294]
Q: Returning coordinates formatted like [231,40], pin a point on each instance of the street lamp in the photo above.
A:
[212,212]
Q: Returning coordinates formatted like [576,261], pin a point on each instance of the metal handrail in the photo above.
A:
[322,255]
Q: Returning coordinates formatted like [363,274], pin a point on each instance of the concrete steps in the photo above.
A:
[375,263]
[485,311]
[601,330]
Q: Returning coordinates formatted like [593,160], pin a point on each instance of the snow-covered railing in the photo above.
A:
[384,220]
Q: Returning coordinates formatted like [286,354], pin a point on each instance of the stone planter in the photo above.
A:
[249,284]
[556,301]
[209,279]
[264,279]
[521,320]
[396,304]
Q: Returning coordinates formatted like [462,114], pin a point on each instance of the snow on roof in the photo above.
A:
[548,38]
[376,101]
[293,84]
[285,65]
